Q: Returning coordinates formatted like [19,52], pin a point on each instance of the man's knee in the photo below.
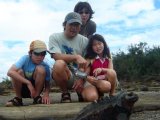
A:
[60,71]
[59,64]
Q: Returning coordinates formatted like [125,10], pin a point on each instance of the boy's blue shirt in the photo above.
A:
[25,63]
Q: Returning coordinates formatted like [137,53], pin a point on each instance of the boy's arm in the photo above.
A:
[46,98]
[13,73]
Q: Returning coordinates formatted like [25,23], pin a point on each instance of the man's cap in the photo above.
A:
[73,17]
[38,46]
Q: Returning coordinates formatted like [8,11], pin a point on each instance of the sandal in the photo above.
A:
[37,100]
[66,98]
[80,98]
[14,102]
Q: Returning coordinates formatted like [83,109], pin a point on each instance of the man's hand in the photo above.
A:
[82,63]
[78,85]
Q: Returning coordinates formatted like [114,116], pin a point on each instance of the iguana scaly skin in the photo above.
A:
[118,107]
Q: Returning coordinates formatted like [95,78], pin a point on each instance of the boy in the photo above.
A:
[30,75]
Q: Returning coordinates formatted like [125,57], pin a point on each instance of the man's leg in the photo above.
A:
[61,74]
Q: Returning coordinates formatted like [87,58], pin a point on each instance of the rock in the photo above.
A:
[117,108]
[144,88]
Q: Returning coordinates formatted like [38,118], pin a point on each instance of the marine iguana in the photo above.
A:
[118,107]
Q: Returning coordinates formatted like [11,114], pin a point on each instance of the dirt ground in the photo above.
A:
[147,90]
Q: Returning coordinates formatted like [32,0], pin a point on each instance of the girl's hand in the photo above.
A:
[92,80]
[97,71]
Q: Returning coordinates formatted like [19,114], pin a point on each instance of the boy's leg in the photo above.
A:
[39,79]
[17,86]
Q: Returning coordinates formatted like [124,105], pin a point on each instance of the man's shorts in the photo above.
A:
[71,81]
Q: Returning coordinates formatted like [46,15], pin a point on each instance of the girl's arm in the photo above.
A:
[110,66]
[90,79]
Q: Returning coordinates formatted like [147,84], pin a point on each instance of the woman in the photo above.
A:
[88,26]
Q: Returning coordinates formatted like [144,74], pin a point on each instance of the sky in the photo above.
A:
[121,22]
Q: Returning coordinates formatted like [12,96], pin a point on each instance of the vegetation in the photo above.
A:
[5,84]
[141,62]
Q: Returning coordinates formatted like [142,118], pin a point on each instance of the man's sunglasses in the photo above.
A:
[40,54]
[83,12]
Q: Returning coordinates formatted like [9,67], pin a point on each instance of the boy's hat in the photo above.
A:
[73,17]
[38,46]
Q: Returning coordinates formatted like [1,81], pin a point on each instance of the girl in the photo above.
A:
[102,77]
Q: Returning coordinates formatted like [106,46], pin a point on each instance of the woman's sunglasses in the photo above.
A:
[83,12]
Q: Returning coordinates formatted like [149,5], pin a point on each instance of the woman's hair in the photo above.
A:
[81,5]
[89,50]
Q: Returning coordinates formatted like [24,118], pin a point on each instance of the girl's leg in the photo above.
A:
[90,93]
[112,78]
[103,86]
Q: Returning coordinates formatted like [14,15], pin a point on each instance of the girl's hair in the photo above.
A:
[81,5]
[89,51]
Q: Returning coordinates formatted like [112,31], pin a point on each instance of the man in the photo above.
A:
[30,75]
[67,49]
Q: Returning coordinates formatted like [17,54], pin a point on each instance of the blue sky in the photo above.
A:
[121,22]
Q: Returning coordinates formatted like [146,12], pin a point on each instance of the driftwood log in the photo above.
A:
[118,107]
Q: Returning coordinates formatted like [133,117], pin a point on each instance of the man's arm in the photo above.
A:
[71,58]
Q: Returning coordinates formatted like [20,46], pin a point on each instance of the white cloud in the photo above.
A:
[122,22]
[134,7]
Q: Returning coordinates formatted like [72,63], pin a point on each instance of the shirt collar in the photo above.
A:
[102,60]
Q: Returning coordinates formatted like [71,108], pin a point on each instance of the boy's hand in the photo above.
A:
[45,99]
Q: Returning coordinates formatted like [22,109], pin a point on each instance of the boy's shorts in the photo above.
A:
[25,91]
